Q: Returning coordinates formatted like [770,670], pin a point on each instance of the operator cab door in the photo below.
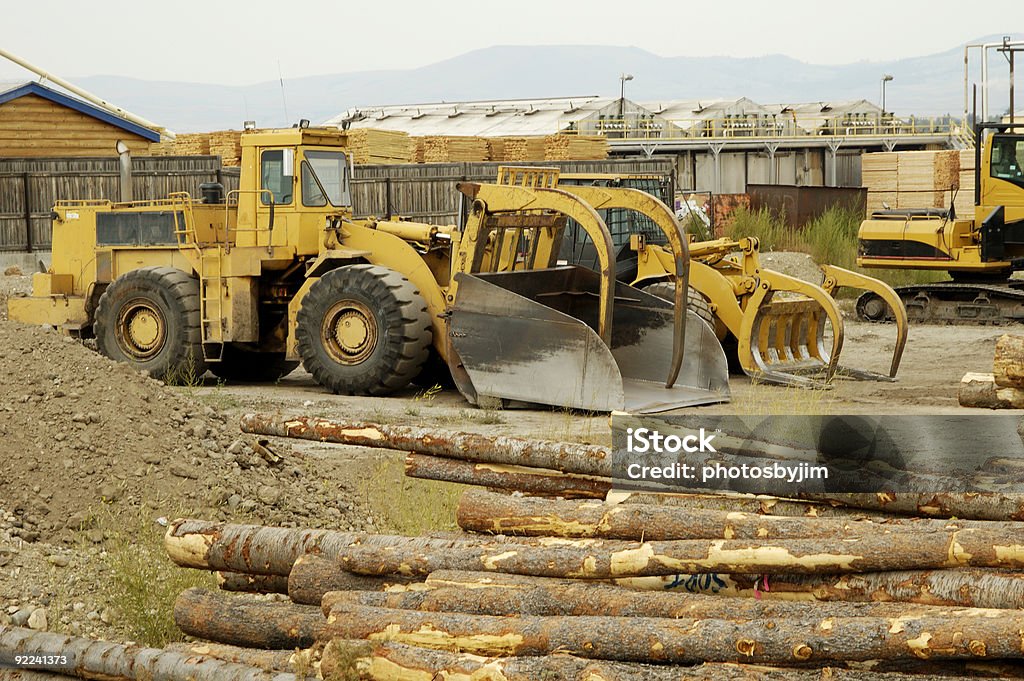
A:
[1004,186]
[277,186]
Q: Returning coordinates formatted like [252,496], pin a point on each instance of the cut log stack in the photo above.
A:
[919,179]
[553,580]
[1004,387]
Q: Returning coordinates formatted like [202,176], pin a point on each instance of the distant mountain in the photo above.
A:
[928,85]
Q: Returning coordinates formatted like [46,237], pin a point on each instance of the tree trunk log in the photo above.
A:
[489,512]
[91,659]
[255,584]
[538,481]
[691,641]
[389,661]
[983,391]
[605,559]
[312,576]
[748,503]
[1008,362]
[247,622]
[269,660]
[561,456]
[572,598]
[963,587]
[971,506]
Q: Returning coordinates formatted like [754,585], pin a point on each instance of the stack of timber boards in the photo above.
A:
[919,179]
[228,145]
[372,146]
[644,586]
[449,149]
[575,148]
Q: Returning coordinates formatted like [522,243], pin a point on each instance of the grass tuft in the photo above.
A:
[409,506]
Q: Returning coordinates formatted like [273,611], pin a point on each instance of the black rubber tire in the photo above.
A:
[167,295]
[695,300]
[240,364]
[403,333]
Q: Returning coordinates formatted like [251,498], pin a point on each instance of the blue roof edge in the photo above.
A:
[33,88]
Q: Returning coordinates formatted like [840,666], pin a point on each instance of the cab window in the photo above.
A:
[325,179]
[1007,155]
[277,176]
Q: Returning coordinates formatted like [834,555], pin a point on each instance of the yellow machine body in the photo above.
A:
[242,283]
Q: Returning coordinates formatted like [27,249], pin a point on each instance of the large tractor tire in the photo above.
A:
[695,300]
[363,330]
[150,318]
[240,364]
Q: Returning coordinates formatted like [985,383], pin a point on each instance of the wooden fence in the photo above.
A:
[423,192]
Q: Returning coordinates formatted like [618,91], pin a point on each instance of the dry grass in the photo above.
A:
[409,506]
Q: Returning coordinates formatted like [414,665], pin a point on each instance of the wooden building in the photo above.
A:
[36,120]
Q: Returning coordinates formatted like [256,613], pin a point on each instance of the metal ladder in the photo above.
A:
[211,278]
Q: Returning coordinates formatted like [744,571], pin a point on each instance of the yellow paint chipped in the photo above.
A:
[491,562]
[631,561]
[919,646]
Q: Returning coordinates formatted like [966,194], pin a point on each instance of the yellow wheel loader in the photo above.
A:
[980,251]
[250,282]
[776,328]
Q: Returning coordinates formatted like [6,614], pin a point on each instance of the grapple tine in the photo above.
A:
[837,277]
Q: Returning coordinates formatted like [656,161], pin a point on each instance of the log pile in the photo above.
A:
[1004,387]
[559,579]
[373,146]
[919,179]
[228,145]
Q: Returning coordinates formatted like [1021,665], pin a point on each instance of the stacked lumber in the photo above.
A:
[228,145]
[641,586]
[1004,387]
[919,179]
[452,149]
[373,146]
[192,144]
[515,149]
[575,148]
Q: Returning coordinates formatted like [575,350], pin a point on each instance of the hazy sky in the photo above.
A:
[233,42]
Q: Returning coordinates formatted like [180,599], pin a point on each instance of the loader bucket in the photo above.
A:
[530,337]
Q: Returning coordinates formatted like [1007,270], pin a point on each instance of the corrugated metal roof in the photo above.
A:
[517,117]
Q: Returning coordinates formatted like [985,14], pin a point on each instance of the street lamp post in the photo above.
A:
[885,79]
[623,77]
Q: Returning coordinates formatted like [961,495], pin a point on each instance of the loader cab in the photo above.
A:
[999,213]
[291,181]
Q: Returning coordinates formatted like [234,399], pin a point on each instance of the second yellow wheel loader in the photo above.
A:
[776,328]
[250,282]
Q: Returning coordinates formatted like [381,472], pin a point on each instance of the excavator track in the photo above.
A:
[951,303]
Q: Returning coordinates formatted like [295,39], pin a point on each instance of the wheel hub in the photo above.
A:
[349,332]
[140,329]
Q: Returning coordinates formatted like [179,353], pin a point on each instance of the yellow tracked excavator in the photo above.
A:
[776,328]
[250,282]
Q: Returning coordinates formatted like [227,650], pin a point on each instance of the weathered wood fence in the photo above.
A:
[425,192]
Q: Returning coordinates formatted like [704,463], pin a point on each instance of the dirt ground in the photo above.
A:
[96,458]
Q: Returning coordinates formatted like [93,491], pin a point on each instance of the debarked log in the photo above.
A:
[256,584]
[574,598]
[960,587]
[538,481]
[312,576]
[691,641]
[90,659]
[489,512]
[604,559]
[246,621]
[390,661]
[270,660]
[971,505]
[567,457]
[747,503]
[983,391]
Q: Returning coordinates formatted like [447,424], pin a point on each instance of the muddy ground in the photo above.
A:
[96,458]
